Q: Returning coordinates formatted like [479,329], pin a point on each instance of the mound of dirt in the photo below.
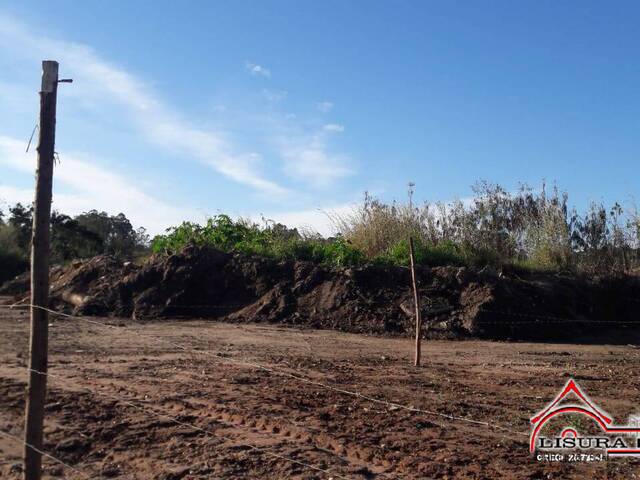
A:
[203,282]
[17,285]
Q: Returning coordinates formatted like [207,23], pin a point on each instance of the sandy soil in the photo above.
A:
[123,402]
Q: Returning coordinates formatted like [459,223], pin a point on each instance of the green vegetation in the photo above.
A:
[532,230]
[83,236]
[445,253]
[528,230]
[272,240]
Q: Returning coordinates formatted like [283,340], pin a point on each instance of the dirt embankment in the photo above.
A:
[457,302]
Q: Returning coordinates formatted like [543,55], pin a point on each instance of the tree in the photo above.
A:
[117,233]
[21,220]
[13,260]
[70,240]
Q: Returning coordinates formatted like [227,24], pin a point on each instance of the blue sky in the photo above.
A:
[290,108]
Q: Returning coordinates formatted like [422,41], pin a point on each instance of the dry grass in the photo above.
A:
[530,228]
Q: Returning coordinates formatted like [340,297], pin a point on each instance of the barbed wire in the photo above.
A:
[45,454]
[389,404]
[177,421]
[541,318]
[537,318]
[169,310]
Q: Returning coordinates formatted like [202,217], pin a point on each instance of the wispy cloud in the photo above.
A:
[299,150]
[308,157]
[333,127]
[91,187]
[163,127]
[312,220]
[256,69]
[274,95]
[325,106]
[10,195]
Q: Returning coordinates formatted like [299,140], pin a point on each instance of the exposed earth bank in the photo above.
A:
[202,282]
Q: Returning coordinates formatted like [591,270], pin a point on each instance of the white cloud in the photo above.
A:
[309,159]
[10,195]
[325,106]
[308,156]
[317,220]
[305,154]
[96,79]
[17,98]
[256,69]
[333,127]
[91,187]
[274,95]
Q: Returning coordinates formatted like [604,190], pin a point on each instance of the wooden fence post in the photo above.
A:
[38,342]
[416,300]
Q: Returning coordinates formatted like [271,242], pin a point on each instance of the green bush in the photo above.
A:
[220,232]
[529,229]
[445,253]
[277,242]
[483,256]
[340,253]
[11,264]
[13,261]
[530,266]
[274,240]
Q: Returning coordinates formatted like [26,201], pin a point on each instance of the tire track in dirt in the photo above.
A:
[321,440]
[465,378]
[349,456]
[270,382]
[345,452]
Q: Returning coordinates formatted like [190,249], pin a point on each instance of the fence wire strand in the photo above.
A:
[389,404]
[45,454]
[177,421]
[552,319]
[535,319]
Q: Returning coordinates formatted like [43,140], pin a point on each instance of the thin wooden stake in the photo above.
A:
[38,343]
[416,300]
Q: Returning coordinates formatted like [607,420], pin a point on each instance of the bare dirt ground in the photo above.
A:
[112,391]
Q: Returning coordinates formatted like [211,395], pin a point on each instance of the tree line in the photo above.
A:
[531,229]
[85,235]
[527,229]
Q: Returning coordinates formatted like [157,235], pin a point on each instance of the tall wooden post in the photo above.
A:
[416,300]
[40,274]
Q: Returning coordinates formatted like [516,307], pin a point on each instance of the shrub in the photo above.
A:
[272,240]
[340,253]
[13,260]
[527,229]
[11,264]
[375,226]
[445,253]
